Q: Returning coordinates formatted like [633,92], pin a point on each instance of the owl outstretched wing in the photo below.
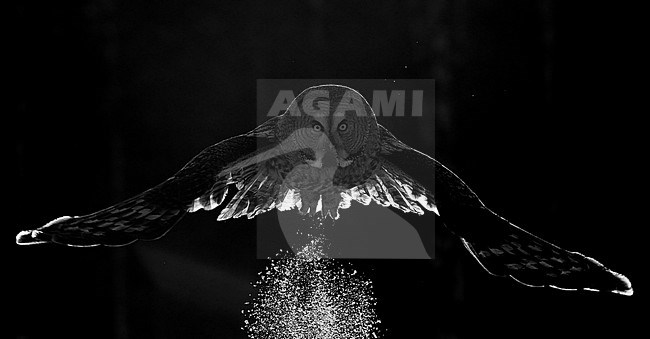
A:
[201,184]
[500,247]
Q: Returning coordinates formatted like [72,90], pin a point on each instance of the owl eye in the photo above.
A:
[343,126]
[317,127]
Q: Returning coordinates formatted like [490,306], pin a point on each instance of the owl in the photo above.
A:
[323,152]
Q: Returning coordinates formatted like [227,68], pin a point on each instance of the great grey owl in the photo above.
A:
[324,151]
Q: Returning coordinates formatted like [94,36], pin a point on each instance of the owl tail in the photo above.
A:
[511,251]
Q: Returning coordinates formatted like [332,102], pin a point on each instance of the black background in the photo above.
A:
[537,108]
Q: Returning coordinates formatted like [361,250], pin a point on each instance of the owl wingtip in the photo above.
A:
[626,284]
[29,237]
[629,292]
[34,237]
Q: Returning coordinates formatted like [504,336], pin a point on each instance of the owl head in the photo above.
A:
[332,125]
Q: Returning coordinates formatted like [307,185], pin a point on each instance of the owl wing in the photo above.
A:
[243,162]
[500,247]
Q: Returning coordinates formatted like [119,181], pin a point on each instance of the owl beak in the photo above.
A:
[326,155]
[329,158]
[342,157]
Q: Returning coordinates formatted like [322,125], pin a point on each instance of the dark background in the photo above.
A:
[537,108]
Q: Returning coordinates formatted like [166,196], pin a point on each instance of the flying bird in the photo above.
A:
[324,151]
